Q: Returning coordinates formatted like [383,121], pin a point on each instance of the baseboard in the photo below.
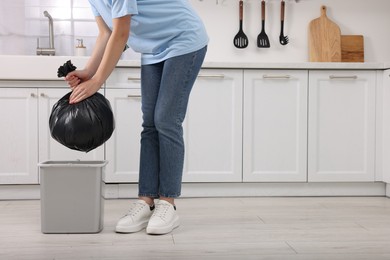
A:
[19,192]
[121,191]
[264,189]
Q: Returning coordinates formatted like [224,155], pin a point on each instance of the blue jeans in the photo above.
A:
[165,90]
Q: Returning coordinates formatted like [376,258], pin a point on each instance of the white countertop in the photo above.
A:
[45,67]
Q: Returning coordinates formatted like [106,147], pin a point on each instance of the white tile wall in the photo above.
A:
[22,22]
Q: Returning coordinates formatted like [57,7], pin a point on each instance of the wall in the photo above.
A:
[22,22]
[369,18]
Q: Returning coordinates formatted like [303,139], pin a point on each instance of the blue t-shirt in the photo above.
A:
[160,29]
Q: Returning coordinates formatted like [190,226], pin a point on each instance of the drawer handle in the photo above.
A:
[43,95]
[214,76]
[276,76]
[343,77]
[133,78]
[134,96]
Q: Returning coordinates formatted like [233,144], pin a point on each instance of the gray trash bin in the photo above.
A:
[72,196]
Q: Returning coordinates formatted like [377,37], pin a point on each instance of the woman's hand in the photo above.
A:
[76,77]
[107,52]
[84,90]
[82,85]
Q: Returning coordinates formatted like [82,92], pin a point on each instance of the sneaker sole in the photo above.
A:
[131,229]
[163,230]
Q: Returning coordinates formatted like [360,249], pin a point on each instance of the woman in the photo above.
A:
[173,42]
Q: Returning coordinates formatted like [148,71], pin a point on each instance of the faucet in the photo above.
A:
[51,50]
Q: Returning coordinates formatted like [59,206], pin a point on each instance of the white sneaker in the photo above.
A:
[136,219]
[163,220]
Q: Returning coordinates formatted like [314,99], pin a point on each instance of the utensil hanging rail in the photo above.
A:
[221,2]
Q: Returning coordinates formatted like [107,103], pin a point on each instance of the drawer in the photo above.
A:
[124,78]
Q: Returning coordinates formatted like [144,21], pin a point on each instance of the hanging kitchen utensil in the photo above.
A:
[324,39]
[282,39]
[262,39]
[241,40]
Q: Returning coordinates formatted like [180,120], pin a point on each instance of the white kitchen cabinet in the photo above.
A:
[275,126]
[25,138]
[123,148]
[242,125]
[19,136]
[383,140]
[213,128]
[341,126]
[49,148]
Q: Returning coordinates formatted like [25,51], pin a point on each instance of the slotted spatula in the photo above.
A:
[282,38]
[241,40]
[262,39]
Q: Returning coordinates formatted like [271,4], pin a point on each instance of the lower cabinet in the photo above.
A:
[123,148]
[341,126]
[275,126]
[213,128]
[25,138]
[316,126]
[19,136]
[241,126]
[385,127]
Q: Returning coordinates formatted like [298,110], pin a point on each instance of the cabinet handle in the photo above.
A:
[134,96]
[214,76]
[276,76]
[33,95]
[133,78]
[343,77]
[43,95]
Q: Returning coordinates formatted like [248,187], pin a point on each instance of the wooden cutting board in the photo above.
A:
[352,48]
[324,39]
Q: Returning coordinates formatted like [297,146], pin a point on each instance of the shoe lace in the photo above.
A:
[135,208]
[161,210]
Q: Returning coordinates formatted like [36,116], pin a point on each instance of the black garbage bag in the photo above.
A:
[83,126]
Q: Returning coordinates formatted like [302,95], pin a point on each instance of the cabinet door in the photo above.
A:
[275,126]
[50,149]
[123,148]
[341,126]
[213,128]
[383,141]
[19,136]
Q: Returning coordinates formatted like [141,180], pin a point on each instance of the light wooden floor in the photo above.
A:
[216,228]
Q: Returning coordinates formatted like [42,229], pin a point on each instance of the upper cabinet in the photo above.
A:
[341,126]
[275,126]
